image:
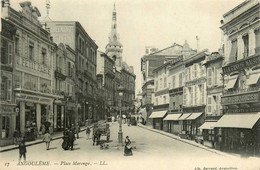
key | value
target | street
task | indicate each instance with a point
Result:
(153, 151)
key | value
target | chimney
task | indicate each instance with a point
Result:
(198, 43)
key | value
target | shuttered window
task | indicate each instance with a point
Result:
(233, 52)
(257, 38)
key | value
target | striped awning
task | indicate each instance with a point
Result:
(174, 116)
(158, 114)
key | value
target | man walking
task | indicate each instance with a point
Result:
(22, 150)
(71, 139)
(47, 139)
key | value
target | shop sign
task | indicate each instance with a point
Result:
(29, 104)
(242, 110)
(241, 98)
(242, 65)
(6, 109)
(197, 81)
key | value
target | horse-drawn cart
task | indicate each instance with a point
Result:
(100, 130)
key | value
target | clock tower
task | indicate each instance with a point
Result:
(114, 48)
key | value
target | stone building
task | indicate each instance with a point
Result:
(194, 94)
(241, 70)
(213, 110)
(73, 34)
(33, 70)
(64, 109)
(176, 83)
(106, 69)
(8, 110)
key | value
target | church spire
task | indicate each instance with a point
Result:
(48, 6)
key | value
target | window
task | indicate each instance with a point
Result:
(233, 52)
(209, 105)
(196, 95)
(6, 89)
(31, 51)
(209, 76)
(156, 85)
(180, 79)
(173, 81)
(5, 127)
(195, 71)
(191, 95)
(44, 56)
(257, 38)
(30, 82)
(17, 45)
(6, 52)
(246, 46)
(45, 85)
(69, 69)
(160, 83)
(18, 79)
(164, 99)
(184, 96)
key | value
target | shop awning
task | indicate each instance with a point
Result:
(174, 116)
(194, 116)
(158, 114)
(238, 120)
(208, 125)
(231, 83)
(184, 116)
(253, 79)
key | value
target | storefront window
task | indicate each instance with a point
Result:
(5, 126)
(30, 82)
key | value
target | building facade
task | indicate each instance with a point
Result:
(214, 109)
(74, 35)
(176, 83)
(106, 69)
(33, 70)
(240, 100)
(194, 94)
(8, 111)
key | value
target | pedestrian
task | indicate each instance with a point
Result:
(88, 132)
(108, 134)
(71, 139)
(22, 150)
(77, 128)
(47, 139)
(128, 147)
(65, 143)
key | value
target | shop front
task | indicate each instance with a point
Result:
(157, 119)
(173, 125)
(239, 136)
(7, 123)
(70, 116)
(59, 115)
(35, 115)
(209, 133)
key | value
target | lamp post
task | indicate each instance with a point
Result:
(120, 133)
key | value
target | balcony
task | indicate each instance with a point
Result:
(59, 75)
(34, 65)
(240, 91)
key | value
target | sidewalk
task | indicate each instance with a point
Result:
(190, 142)
(55, 136)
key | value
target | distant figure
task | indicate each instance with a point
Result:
(77, 129)
(65, 143)
(47, 139)
(88, 132)
(108, 134)
(128, 147)
(22, 150)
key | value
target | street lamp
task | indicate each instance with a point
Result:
(120, 133)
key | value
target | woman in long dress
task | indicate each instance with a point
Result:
(128, 148)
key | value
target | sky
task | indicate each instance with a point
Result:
(141, 23)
